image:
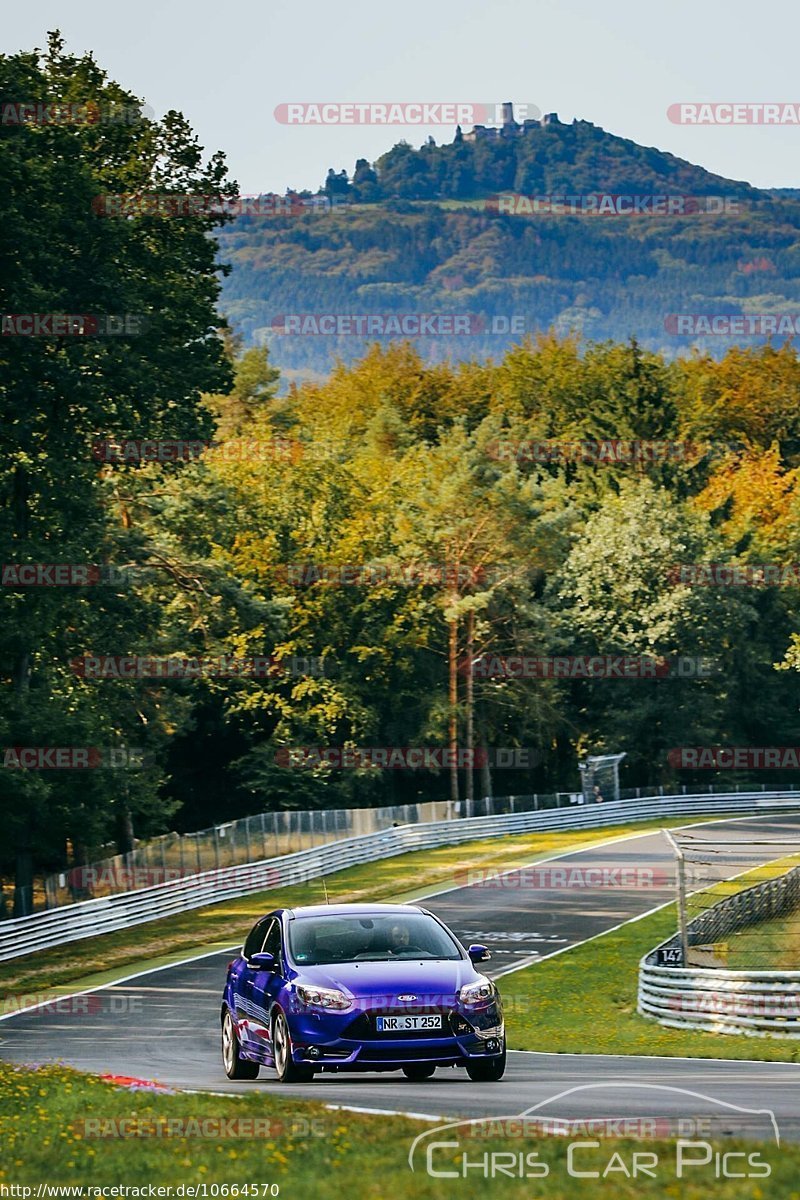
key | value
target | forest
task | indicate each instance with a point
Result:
(211, 572)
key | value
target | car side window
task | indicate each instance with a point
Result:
(255, 938)
(272, 942)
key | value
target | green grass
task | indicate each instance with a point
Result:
(98, 960)
(768, 946)
(584, 1000)
(580, 1001)
(308, 1150)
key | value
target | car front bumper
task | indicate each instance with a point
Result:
(465, 1035)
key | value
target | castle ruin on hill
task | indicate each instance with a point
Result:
(509, 128)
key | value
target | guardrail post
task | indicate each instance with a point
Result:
(680, 881)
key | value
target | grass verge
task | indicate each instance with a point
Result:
(584, 1000)
(62, 1128)
(777, 948)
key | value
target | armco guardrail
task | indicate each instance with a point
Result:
(275, 834)
(231, 844)
(41, 930)
(758, 1003)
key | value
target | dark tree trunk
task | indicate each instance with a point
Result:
(126, 840)
(21, 673)
(453, 698)
(486, 770)
(470, 715)
(23, 883)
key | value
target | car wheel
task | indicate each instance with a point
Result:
(288, 1070)
(418, 1071)
(487, 1070)
(236, 1067)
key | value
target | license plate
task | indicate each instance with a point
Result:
(400, 1024)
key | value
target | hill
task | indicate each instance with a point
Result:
(617, 240)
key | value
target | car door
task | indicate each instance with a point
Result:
(267, 985)
(245, 1011)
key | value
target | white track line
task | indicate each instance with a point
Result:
(535, 862)
(529, 962)
(57, 997)
(625, 837)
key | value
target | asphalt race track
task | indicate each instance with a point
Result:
(164, 1025)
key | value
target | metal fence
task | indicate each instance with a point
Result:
(754, 1002)
(234, 844)
(272, 835)
(39, 931)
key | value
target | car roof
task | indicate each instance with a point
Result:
(343, 910)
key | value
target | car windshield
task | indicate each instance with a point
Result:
(383, 937)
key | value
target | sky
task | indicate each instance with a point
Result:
(620, 65)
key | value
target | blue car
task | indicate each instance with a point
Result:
(359, 987)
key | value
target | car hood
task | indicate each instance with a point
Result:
(413, 976)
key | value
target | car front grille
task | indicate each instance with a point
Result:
(373, 1053)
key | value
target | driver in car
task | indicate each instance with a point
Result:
(399, 939)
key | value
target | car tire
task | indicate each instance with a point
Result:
(487, 1070)
(288, 1070)
(235, 1066)
(418, 1072)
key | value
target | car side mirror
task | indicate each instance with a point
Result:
(478, 953)
(262, 962)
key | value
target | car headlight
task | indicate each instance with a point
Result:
(478, 993)
(319, 997)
